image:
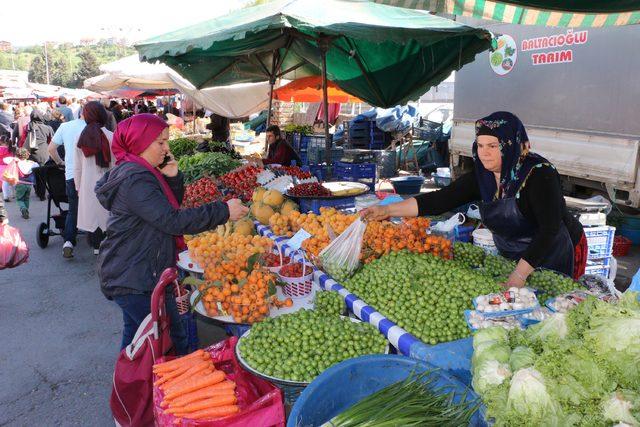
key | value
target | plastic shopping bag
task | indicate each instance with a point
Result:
(13, 248)
(11, 174)
(341, 257)
(260, 401)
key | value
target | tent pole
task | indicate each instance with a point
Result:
(324, 46)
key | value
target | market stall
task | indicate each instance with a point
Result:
(556, 351)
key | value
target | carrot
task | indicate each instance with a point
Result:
(172, 364)
(203, 393)
(207, 403)
(217, 412)
(221, 388)
(189, 372)
(225, 397)
(195, 354)
(176, 385)
(196, 383)
(165, 377)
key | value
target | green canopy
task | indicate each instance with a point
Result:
(381, 54)
(552, 13)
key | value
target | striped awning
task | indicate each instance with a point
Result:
(509, 13)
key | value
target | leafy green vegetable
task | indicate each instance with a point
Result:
(490, 374)
(206, 164)
(577, 369)
(301, 129)
(529, 400)
(495, 333)
(552, 328)
(521, 357)
(181, 147)
(491, 350)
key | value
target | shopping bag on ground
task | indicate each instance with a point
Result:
(341, 257)
(260, 401)
(13, 248)
(11, 174)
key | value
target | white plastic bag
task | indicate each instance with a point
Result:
(342, 256)
(444, 227)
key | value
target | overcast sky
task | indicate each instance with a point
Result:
(27, 22)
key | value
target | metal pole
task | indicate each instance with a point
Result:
(325, 100)
(46, 61)
(271, 83)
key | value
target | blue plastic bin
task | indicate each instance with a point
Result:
(342, 170)
(348, 382)
(407, 184)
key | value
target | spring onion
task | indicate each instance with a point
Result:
(414, 401)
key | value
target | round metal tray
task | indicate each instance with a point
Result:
(328, 185)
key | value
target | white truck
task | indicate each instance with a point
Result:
(576, 90)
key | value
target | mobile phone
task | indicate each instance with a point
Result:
(166, 161)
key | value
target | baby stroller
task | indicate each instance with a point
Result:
(55, 184)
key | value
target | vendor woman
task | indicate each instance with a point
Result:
(521, 202)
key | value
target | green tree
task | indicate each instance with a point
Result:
(60, 72)
(37, 70)
(88, 67)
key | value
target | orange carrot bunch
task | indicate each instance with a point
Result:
(194, 389)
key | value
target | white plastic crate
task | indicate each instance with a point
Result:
(597, 269)
(600, 241)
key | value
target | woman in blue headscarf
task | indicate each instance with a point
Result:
(521, 201)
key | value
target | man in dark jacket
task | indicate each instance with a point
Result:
(279, 151)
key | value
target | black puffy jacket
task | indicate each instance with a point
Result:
(141, 228)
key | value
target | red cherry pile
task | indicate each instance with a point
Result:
(295, 270)
(294, 171)
(200, 192)
(312, 189)
(273, 260)
(242, 181)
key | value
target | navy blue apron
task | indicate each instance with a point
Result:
(513, 233)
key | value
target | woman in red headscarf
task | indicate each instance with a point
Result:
(93, 159)
(146, 224)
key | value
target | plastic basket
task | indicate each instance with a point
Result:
(314, 205)
(320, 171)
(621, 246)
(600, 241)
(182, 299)
(276, 270)
(354, 170)
(317, 155)
(597, 269)
(296, 287)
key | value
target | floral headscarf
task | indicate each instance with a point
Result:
(517, 161)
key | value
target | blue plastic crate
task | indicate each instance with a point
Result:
(358, 170)
(320, 171)
(314, 205)
(318, 154)
(600, 241)
(310, 141)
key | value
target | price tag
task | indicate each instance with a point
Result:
(296, 240)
